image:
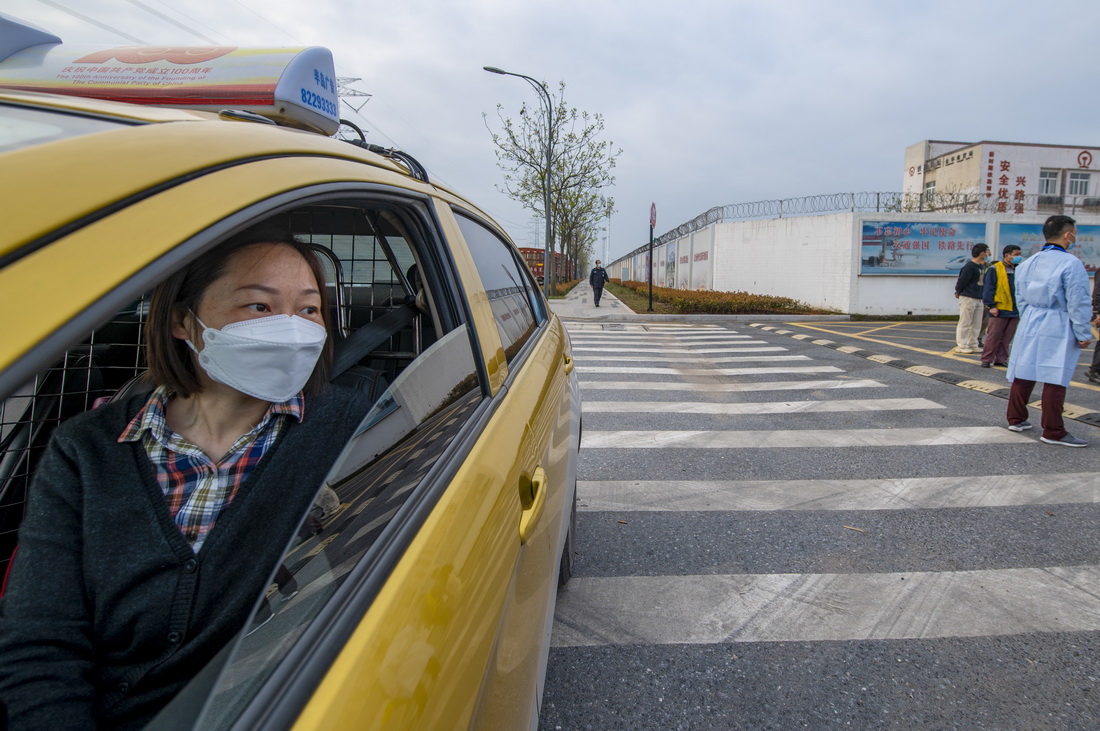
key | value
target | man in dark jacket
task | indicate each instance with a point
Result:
(597, 279)
(999, 295)
(1093, 373)
(969, 295)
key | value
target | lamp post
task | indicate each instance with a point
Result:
(547, 266)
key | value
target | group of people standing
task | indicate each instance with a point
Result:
(1043, 310)
(987, 304)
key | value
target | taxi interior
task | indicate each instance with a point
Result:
(382, 318)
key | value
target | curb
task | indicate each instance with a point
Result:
(1069, 411)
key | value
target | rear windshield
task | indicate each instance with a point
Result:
(23, 127)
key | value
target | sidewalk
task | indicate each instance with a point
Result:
(577, 305)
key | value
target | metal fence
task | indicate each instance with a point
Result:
(884, 203)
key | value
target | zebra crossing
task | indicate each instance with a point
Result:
(683, 391)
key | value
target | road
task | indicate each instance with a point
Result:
(780, 534)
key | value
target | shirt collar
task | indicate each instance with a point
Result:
(152, 416)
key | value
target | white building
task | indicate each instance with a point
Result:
(1008, 177)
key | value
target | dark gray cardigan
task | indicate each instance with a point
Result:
(108, 612)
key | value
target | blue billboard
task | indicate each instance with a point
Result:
(1029, 237)
(917, 248)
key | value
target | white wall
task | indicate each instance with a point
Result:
(815, 260)
(808, 258)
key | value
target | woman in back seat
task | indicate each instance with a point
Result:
(154, 523)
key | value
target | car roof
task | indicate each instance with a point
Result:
(152, 147)
(81, 175)
(64, 189)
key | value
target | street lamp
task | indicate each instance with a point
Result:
(541, 88)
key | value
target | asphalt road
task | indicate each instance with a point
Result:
(780, 534)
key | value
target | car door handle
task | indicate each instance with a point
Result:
(568, 364)
(532, 500)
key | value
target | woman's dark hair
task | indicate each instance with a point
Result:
(170, 361)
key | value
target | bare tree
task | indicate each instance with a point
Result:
(580, 166)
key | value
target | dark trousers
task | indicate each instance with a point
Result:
(597, 292)
(1054, 398)
(998, 338)
(1096, 359)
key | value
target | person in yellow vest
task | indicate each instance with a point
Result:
(999, 295)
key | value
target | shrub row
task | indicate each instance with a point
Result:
(560, 289)
(721, 303)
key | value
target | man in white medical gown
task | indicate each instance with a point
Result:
(1052, 291)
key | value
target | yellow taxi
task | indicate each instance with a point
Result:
(427, 580)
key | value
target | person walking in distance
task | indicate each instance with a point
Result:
(999, 295)
(1052, 292)
(968, 292)
(597, 279)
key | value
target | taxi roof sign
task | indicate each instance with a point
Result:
(295, 87)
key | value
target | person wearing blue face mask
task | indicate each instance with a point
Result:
(1052, 291)
(155, 522)
(1093, 372)
(999, 295)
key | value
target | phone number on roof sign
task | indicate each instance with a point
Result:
(319, 103)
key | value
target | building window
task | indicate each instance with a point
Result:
(1079, 183)
(930, 188)
(1048, 182)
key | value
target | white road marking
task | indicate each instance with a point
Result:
(655, 337)
(624, 370)
(662, 610)
(671, 351)
(700, 361)
(901, 493)
(594, 385)
(766, 407)
(604, 343)
(804, 438)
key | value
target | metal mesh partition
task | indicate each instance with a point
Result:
(85, 376)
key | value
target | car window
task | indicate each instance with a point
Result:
(513, 297)
(358, 515)
(22, 127)
(403, 339)
(368, 505)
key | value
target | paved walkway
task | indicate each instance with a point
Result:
(578, 306)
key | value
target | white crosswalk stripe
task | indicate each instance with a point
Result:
(821, 607)
(800, 438)
(767, 407)
(674, 351)
(901, 493)
(678, 359)
(655, 371)
(593, 386)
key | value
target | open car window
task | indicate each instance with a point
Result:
(401, 336)
(357, 516)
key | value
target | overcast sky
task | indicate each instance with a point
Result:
(712, 102)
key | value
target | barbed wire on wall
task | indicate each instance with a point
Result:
(883, 202)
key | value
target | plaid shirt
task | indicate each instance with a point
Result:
(198, 489)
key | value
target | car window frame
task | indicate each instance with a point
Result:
(293, 683)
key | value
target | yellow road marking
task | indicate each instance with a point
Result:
(884, 327)
(983, 386)
(939, 354)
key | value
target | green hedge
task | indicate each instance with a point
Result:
(685, 301)
(560, 289)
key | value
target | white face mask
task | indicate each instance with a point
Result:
(269, 358)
